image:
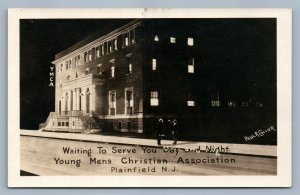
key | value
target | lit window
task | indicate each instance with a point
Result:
(172, 40)
(112, 102)
(110, 47)
(129, 101)
(97, 51)
(113, 71)
(231, 104)
(129, 68)
(156, 38)
(132, 36)
(191, 67)
(115, 45)
(190, 41)
(90, 55)
(154, 101)
(102, 49)
(126, 39)
(190, 103)
(154, 64)
(215, 103)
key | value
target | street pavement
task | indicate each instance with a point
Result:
(245, 149)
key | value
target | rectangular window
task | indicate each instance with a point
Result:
(70, 63)
(132, 36)
(90, 55)
(112, 102)
(244, 104)
(190, 41)
(97, 52)
(102, 50)
(126, 39)
(154, 101)
(110, 48)
(77, 60)
(129, 68)
(190, 103)
(85, 56)
(67, 123)
(129, 101)
(115, 45)
(154, 64)
(215, 103)
(67, 65)
(231, 103)
(59, 124)
(191, 65)
(172, 40)
(113, 72)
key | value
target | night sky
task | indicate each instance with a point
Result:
(234, 40)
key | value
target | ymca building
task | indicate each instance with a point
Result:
(123, 80)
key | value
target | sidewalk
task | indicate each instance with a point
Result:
(258, 150)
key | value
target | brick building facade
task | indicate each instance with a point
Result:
(125, 79)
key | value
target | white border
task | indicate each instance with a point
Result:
(284, 100)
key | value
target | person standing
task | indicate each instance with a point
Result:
(174, 130)
(159, 129)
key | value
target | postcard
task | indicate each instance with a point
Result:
(149, 97)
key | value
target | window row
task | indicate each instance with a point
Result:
(126, 39)
(189, 40)
(233, 104)
(99, 70)
(154, 100)
(190, 65)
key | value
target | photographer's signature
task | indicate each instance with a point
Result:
(259, 133)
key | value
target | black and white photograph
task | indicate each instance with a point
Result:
(150, 96)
